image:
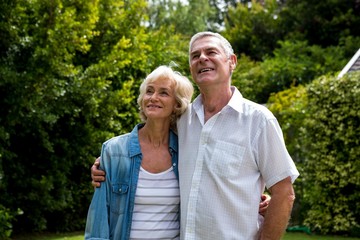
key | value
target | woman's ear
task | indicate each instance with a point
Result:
(177, 107)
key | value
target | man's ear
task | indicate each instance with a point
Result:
(233, 62)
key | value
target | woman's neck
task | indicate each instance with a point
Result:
(154, 134)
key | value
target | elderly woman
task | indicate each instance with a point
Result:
(140, 197)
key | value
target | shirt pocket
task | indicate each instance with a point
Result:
(119, 198)
(226, 159)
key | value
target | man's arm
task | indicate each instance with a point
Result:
(97, 175)
(279, 210)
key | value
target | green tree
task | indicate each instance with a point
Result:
(247, 77)
(253, 29)
(331, 167)
(322, 23)
(69, 78)
(321, 129)
(256, 27)
(290, 108)
(180, 15)
(292, 63)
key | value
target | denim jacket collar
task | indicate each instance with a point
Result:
(134, 145)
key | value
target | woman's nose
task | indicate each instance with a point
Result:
(153, 97)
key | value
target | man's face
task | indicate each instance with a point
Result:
(209, 63)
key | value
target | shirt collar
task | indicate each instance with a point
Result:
(134, 145)
(235, 99)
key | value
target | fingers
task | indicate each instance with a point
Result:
(265, 198)
(262, 208)
(97, 175)
(96, 163)
(95, 170)
(96, 180)
(264, 204)
(95, 184)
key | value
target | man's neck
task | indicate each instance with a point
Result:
(214, 101)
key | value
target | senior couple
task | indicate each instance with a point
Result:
(203, 166)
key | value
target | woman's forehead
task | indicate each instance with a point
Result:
(162, 82)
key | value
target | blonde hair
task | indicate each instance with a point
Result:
(183, 89)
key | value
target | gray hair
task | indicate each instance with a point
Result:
(224, 43)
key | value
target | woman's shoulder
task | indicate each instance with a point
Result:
(120, 139)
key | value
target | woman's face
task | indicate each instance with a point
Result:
(159, 99)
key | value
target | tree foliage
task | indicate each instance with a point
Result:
(322, 23)
(293, 63)
(290, 108)
(69, 78)
(282, 56)
(180, 15)
(253, 29)
(331, 167)
(321, 125)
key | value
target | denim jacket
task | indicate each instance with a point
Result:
(110, 212)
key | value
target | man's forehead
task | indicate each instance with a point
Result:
(205, 43)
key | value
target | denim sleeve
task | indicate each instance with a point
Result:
(97, 222)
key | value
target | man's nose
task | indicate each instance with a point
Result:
(203, 57)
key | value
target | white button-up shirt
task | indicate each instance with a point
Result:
(224, 166)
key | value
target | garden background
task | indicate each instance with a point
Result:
(69, 77)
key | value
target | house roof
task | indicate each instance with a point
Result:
(352, 65)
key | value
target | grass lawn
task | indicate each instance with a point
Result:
(80, 236)
(52, 236)
(304, 236)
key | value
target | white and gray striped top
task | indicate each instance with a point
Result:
(157, 203)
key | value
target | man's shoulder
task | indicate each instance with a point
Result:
(253, 108)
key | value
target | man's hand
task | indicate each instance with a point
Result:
(265, 200)
(97, 175)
